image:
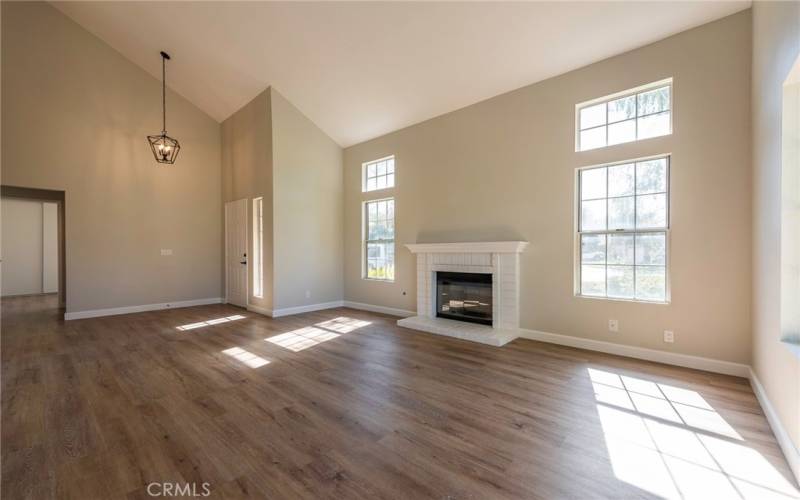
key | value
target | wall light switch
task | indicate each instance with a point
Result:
(669, 336)
(166, 251)
(613, 325)
(308, 294)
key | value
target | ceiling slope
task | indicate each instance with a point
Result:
(362, 69)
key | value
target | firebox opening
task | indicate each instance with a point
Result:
(464, 297)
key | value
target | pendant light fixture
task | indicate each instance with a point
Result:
(164, 147)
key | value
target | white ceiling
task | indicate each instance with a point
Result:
(362, 69)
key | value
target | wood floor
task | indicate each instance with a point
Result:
(344, 404)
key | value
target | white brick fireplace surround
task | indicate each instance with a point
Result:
(498, 258)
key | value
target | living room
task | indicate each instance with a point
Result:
(400, 249)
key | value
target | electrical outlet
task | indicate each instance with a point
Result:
(308, 294)
(669, 336)
(613, 325)
(166, 251)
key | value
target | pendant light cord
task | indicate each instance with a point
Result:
(163, 94)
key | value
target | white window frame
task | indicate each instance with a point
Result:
(666, 230)
(365, 241)
(667, 82)
(364, 169)
(258, 247)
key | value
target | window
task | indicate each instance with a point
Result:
(258, 247)
(379, 239)
(623, 225)
(378, 174)
(631, 116)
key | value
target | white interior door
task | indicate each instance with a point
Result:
(236, 252)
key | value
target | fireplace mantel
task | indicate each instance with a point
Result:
(470, 247)
(498, 258)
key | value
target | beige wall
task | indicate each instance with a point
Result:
(308, 194)
(271, 150)
(776, 45)
(504, 169)
(75, 118)
(247, 173)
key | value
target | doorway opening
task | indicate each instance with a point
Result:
(33, 258)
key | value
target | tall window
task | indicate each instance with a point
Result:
(258, 247)
(378, 174)
(623, 226)
(630, 116)
(379, 239)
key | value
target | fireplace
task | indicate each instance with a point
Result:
(481, 280)
(464, 297)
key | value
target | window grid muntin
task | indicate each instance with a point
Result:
(368, 241)
(636, 117)
(365, 177)
(658, 230)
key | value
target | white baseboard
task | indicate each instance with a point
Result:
(288, 311)
(790, 451)
(95, 313)
(260, 310)
(392, 311)
(670, 358)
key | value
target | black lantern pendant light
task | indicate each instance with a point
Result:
(164, 147)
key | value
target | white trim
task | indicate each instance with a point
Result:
(365, 241)
(670, 358)
(666, 82)
(470, 247)
(392, 311)
(288, 311)
(257, 254)
(666, 230)
(626, 93)
(94, 313)
(364, 166)
(259, 310)
(784, 441)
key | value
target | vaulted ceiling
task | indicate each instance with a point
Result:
(363, 69)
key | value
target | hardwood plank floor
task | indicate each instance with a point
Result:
(344, 404)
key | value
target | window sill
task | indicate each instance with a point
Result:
(376, 280)
(633, 301)
(792, 341)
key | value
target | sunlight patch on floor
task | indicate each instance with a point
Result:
(303, 338)
(246, 357)
(343, 324)
(670, 442)
(210, 322)
(309, 336)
